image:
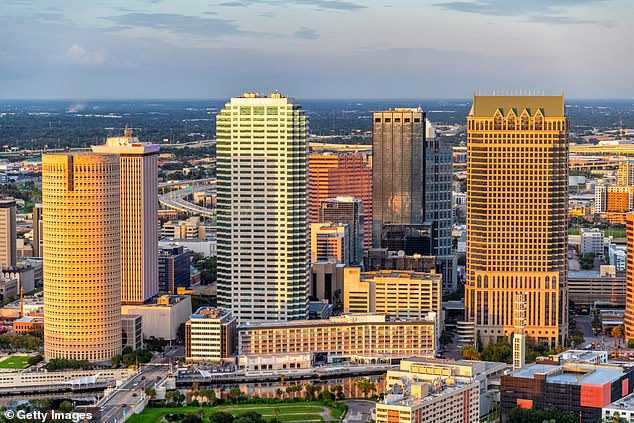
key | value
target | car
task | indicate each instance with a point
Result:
(134, 394)
(460, 347)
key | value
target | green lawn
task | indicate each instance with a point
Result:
(15, 362)
(289, 412)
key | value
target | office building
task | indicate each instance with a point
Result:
(37, 230)
(438, 204)
(428, 390)
(330, 242)
(82, 262)
(581, 388)
(346, 210)
(618, 256)
(349, 175)
(626, 174)
(210, 335)
(397, 170)
(403, 294)
(629, 274)
(139, 215)
(8, 232)
(517, 188)
(263, 257)
(173, 268)
(384, 259)
(132, 331)
(192, 228)
(411, 175)
(368, 338)
(161, 319)
(613, 198)
(8, 288)
(592, 241)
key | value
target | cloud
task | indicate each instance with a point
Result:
(176, 23)
(306, 34)
(542, 11)
(319, 4)
(79, 55)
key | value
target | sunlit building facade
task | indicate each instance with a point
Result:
(139, 215)
(263, 258)
(82, 262)
(8, 232)
(517, 188)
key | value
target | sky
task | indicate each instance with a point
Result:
(113, 49)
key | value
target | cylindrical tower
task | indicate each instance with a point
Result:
(82, 274)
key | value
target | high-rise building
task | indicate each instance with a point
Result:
(263, 259)
(348, 175)
(173, 265)
(626, 173)
(629, 286)
(412, 174)
(438, 208)
(346, 210)
(397, 170)
(330, 243)
(37, 230)
(82, 265)
(139, 215)
(8, 233)
(517, 187)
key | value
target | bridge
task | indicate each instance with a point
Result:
(175, 199)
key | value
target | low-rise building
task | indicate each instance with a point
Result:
(592, 241)
(618, 257)
(404, 294)
(162, 319)
(8, 288)
(622, 408)
(29, 325)
(368, 338)
(132, 326)
(330, 242)
(581, 388)
(192, 228)
(588, 286)
(210, 335)
(326, 282)
(427, 390)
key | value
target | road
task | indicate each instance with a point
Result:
(359, 411)
(175, 200)
(128, 395)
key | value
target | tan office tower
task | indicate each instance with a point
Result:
(82, 269)
(629, 286)
(139, 215)
(8, 252)
(517, 187)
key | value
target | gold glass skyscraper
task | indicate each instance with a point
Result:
(517, 188)
(82, 273)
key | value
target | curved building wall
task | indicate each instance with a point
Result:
(81, 249)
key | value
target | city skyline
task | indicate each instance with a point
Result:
(316, 49)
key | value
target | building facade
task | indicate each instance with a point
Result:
(82, 261)
(8, 233)
(397, 170)
(139, 215)
(173, 269)
(592, 241)
(346, 210)
(626, 173)
(162, 318)
(330, 242)
(365, 337)
(517, 188)
(37, 230)
(210, 335)
(629, 275)
(263, 257)
(349, 175)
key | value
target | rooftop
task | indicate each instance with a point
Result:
(572, 373)
(625, 403)
(345, 319)
(551, 106)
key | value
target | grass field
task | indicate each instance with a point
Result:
(15, 362)
(288, 412)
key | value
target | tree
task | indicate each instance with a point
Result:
(338, 389)
(276, 411)
(221, 417)
(470, 353)
(500, 351)
(249, 417)
(365, 385)
(279, 393)
(617, 332)
(65, 406)
(235, 394)
(116, 360)
(150, 393)
(616, 418)
(522, 415)
(310, 392)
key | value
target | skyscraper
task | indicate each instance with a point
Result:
(8, 233)
(397, 169)
(82, 269)
(517, 188)
(331, 175)
(629, 287)
(626, 173)
(139, 215)
(263, 260)
(438, 210)
(37, 230)
(411, 172)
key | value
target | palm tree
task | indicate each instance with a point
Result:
(617, 333)
(276, 411)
